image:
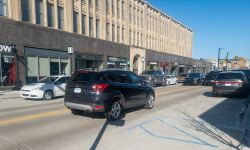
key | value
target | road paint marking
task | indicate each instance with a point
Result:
(195, 140)
(18, 144)
(33, 117)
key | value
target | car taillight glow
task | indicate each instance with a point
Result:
(227, 82)
(99, 87)
(215, 82)
(98, 107)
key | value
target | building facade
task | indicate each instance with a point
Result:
(130, 34)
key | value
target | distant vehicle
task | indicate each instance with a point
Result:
(231, 83)
(171, 79)
(194, 79)
(109, 91)
(149, 80)
(46, 88)
(157, 77)
(181, 77)
(210, 77)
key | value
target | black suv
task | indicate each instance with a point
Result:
(210, 77)
(194, 79)
(109, 91)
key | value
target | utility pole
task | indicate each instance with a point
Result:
(219, 59)
(227, 59)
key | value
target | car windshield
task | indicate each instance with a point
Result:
(224, 76)
(149, 72)
(48, 80)
(194, 75)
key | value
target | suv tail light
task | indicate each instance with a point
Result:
(215, 82)
(99, 87)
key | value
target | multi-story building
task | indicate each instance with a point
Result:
(36, 34)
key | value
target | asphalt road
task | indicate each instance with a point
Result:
(183, 117)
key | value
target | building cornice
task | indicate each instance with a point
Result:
(164, 14)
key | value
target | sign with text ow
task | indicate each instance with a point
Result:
(6, 48)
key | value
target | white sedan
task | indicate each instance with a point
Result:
(171, 79)
(46, 88)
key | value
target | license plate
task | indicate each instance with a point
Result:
(228, 84)
(77, 90)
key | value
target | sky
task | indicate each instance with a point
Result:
(216, 23)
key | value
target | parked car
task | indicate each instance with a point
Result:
(46, 88)
(109, 91)
(171, 79)
(148, 80)
(210, 77)
(157, 77)
(194, 79)
(231, 83)
(181, 77)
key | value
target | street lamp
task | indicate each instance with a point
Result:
(219, 59)
(70, 52)
(143, 61)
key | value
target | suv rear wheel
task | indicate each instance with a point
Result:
(114, 111)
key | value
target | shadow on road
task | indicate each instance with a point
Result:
(222, 120)
(232, 96)
(210, 130)
(101, 115)
(117, 123)
(54, 99)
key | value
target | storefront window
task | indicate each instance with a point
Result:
(32, 69)
(8, 70)
(2, 7)
(114, 62)
(54, 67)
(43, 67)
(65, 66)
(42, 63)
(88, 64)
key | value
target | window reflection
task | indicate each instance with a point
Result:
(8, 70)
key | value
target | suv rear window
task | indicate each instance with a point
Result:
(246, 72)
(224, 76)
(85, 77)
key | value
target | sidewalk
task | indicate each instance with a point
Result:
(9, 94)
(246, 127)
